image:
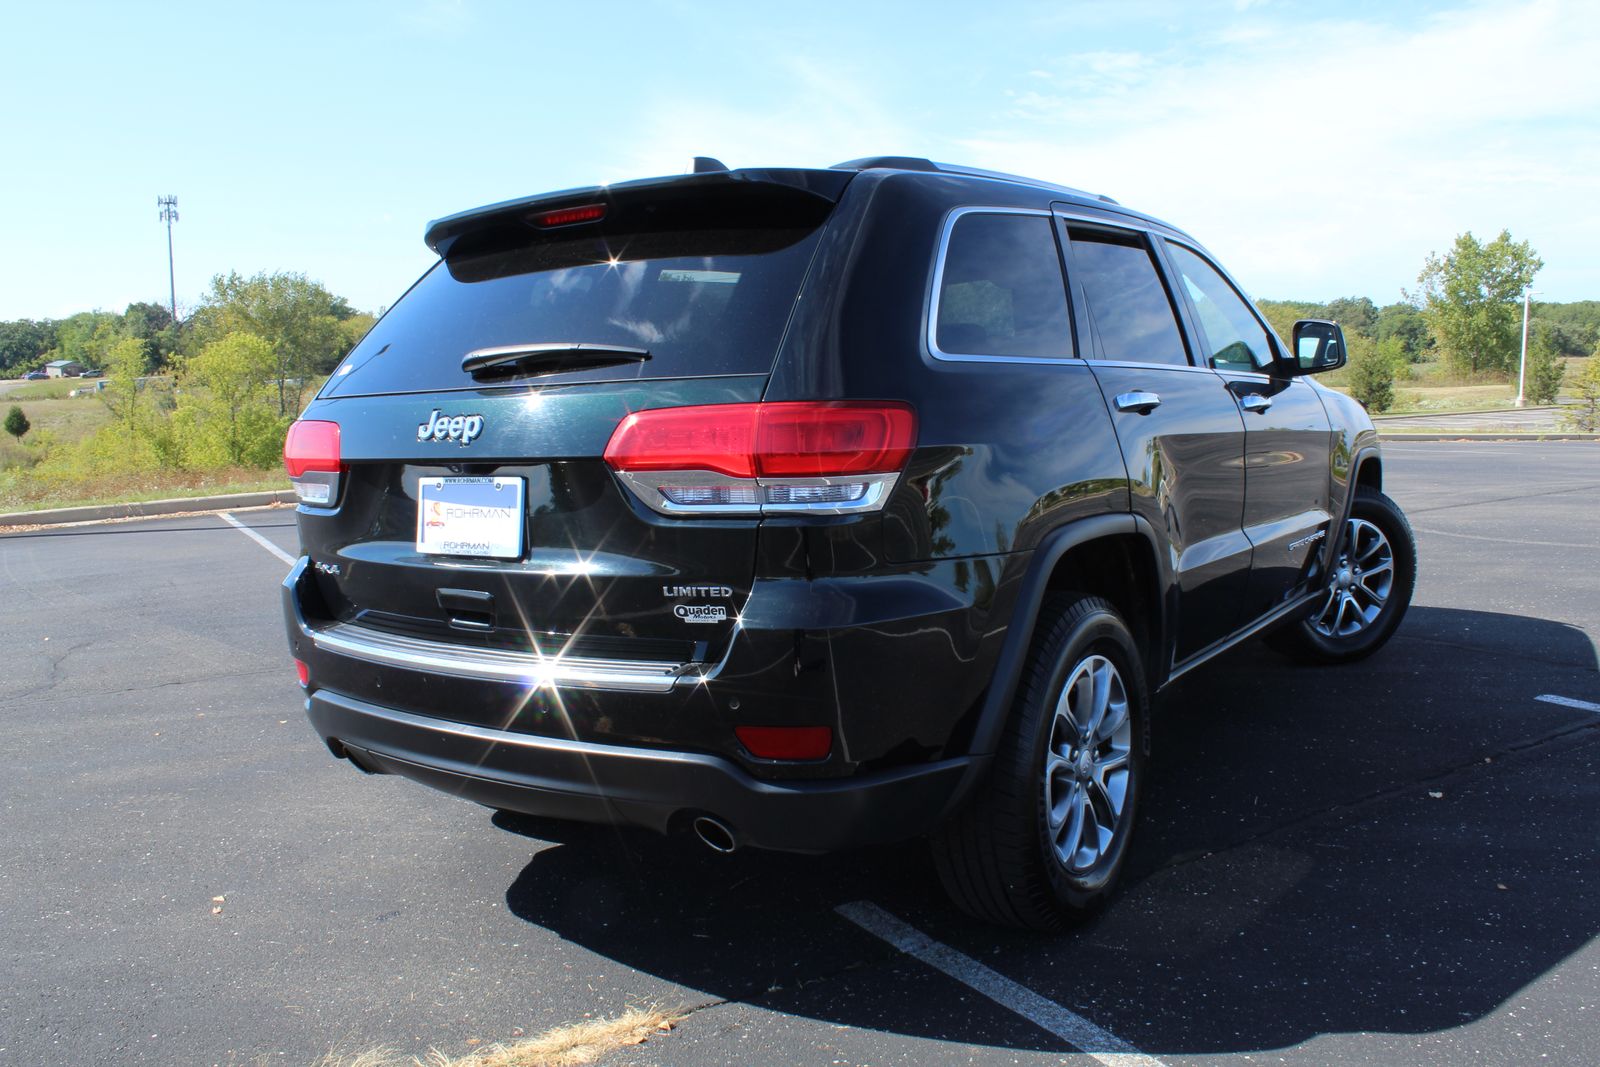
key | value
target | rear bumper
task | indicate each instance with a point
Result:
(660, 790)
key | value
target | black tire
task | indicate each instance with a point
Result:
(999, 857)
(1340, 632)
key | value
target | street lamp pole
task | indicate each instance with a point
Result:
(1522, 366)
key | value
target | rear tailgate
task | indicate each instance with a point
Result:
(703, 276)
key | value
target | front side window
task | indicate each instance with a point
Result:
(1129, 310)
(1001, 292)
(1235, 339)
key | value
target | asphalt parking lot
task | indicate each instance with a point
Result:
(1393, 862)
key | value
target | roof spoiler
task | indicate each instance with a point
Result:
(825, 186)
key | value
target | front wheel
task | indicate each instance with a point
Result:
(1366, 591)
(1045, 838)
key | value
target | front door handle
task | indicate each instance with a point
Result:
(1141, 402)
(1255, 402)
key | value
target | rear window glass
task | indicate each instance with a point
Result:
(1001, 292)
(700, 302)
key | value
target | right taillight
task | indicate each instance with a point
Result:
(311, 456)
(829, 457)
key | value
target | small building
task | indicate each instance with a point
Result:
(63, 368)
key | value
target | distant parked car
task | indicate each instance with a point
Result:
(35, 376)
(92, 374)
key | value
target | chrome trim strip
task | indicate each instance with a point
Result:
(497, 665)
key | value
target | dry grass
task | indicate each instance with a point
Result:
(565, 1046)
(122, 488)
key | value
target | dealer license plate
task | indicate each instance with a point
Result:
(470, 517)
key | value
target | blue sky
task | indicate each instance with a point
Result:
(1319, 149)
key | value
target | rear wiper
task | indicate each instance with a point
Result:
(548, 358)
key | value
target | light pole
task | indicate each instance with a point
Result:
(1522, 366)
(169, 215)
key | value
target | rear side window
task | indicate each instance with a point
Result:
(1130, 313)
(701, 302)
(1233, 335)
(1000, 291)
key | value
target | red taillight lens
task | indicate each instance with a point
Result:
(304, 673)
(787, 440)
(786, 742)
(826, 440)
(311, 446)
(719, 437)
(567, 216)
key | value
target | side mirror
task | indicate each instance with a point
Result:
(1318, 346)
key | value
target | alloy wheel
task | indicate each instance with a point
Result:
(1086, 767)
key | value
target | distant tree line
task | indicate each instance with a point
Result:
(306, 328)
(1466, 313)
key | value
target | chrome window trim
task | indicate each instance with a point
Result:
(495, 664)
(931, 326)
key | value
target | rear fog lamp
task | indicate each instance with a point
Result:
(786, 742)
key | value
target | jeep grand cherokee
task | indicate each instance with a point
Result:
(807, 509)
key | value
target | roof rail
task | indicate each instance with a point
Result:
(887, 163)
(918, 163)
(976, 172)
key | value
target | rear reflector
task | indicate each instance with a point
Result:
(838, 456)
(311, 456)
(786, 742)
(568, 216)
(304, 673)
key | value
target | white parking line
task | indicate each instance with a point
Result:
(1069, 1026)
(257, 538)
(1568, 702)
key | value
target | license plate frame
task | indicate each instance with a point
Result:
(470, 517)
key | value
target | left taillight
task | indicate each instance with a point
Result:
(311, 456)
(829, 457)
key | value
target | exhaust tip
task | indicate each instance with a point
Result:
(715, 834)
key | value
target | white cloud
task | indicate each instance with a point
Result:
(1330, 158)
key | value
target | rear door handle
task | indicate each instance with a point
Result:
(1141, 402)
(1255, 402)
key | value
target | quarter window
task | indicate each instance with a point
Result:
(1234, 336)
(1130, 312)
(1001, 292)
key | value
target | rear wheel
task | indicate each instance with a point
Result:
(1366, 591)
(1045, 838)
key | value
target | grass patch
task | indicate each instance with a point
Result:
(52, 389)
(17, 494)
(565, 1046)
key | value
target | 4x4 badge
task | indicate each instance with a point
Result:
(462, 428)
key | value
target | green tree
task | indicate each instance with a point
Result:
(23, 344)
(1545, 367)
(1585, 415)
(1404, 322)
(1370, 377)
(17, 423)
(297, 317)
(124, 365)
(227, 411)
(1356, 314)
(1469, 297)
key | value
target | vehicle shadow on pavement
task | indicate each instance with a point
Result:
(1398, 847)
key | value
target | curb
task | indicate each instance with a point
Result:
(1467, 436)
(147, 508)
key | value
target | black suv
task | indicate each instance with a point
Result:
(805, 509)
